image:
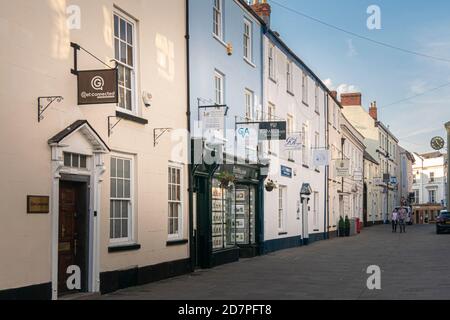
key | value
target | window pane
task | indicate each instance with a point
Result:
(117, 213)
(113, 188)
(121, 76)
(117, 49)
(170, 192)
(122, 30)
(83, 161)
(127, 191)
(128, 101)
(130, 56)
(124, 209)
(75, 160)
(67, 159)
(127, 168)
(111, 229)
(127, 82)
(124, 228)
(120, 168)
(113, 167)
(123, 52)
(117, 233)
(129, 33)
(178, 193)
(116, 26)
(120, 188)
(179, 176)
(121, 97)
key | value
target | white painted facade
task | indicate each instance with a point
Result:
(37, 62)
(292, 94)
(429, 172)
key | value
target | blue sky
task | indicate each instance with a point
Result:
(381, 74)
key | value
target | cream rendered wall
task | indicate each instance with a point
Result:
(292, 104)
(36, 62)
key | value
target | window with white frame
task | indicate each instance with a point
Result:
(271, 62)
(219, 80)
(74, 160)
(247, 40)
(282, 209)
(121, 199)
(316, 209)
(431, 177)
(304, 88)
(304, 145)
(316, 99)
(249, 105)
(289, 77)
(416, 196)
(270, 117)
(432, 196)
(175, 203)
(217, 19)
(125, 48)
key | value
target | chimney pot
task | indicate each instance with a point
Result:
(263, 10)
(373, 110)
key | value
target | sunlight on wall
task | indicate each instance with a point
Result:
(107, 30)
(165, 57)
(61, 36)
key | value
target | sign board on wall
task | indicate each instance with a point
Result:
(342, 168)
(321, 158)
(38, 204)
(98, 86)
(286, 172)
(358, 174)
(293, 142)
(276, 130)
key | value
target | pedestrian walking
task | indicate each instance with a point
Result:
(402, 220)
(394, 219)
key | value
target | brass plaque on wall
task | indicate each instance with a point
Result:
(38, 204)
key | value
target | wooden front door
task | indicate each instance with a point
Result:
(72, 232)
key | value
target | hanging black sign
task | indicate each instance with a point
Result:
(272, 130)
(98, 86)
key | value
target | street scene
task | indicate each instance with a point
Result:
(224, 150)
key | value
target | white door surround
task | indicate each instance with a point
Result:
(79, 138)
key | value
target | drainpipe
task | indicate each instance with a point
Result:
(192, 253)
(327, 173)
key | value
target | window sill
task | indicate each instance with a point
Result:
(291, 160)
(131, 117)
(317, 170)
(273, 80)
(290, 93)
(282, 233)
(123, 247)
(220, 40)
(305, 166)
(317, 112)
(172, 243)
(249, 62)
(305, 104)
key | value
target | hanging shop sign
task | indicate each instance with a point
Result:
(393, 180)
(286, 172)
(213, 119)
(293, 142)
(98, 86)
(321, 158)
(358, 174)
(342, 168)
(275, 130)
(38, 204)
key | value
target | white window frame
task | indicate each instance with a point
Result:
(271, 62)
(133, 69)
(219, 94)
(249, 105)
(282, 208)
(248, 40)
(304, 145)
(316, 209)
(289, 77)
(432, 199)
(316, 99)
(218, 24)
(180, 234)
(131, 207)
(304, 88)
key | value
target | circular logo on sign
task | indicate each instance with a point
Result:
(437, 143)
(97, 83)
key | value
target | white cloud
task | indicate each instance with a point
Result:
(418, 87)
(342, 88)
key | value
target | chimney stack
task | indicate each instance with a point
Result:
(373, 110)
(262, 9)
(351, 99)
(333, 94)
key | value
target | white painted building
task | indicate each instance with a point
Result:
(293, 93)
(353, 190)
(429, 178)
(75, 192)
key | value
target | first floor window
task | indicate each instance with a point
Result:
(175, 211)
(432, 196)
(316, 209)
(282, 197)
(249, 105)
(120, 203)
(218, 88)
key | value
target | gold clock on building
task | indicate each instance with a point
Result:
(437, 143)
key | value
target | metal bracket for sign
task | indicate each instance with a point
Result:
(216, 106)
(50, 100)
(158, 133)
(76, 48)
(111, 126)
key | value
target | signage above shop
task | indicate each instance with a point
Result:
(293, 142)
(358, 174)
(342, 168)
(286, 172)
(98, 86)
(275, 130)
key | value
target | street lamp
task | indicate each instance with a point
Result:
(447, 126)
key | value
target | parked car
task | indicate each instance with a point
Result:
(443, 222)
(409, 214)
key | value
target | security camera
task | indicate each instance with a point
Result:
(147, 98)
